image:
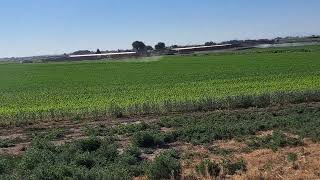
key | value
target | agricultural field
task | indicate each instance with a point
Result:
(31, 92)
(250, 114)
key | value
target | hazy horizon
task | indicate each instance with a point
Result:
(35, 27)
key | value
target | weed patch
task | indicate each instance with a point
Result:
(275, 141)
(165, 166)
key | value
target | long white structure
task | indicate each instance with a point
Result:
(200, 47)
(103, 54)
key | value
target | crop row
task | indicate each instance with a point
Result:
(204, 104)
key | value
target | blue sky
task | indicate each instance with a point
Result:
(36, 27)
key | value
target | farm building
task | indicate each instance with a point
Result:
(185, 50)
(103, 55)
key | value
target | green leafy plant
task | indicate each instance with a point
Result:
(5, 143)
(165, 166)
(152, 138)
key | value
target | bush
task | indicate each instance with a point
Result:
(85, 160)
(201, 168)
(3, 165)
(231, 168)
(131, 156)
(220, 151)
(292, 157)
(41, 152)
(51, 171)
(208, 168)
(213, 169)
(5, 143)
(91, 158)
(165, 166)
(106, 153)
(144, 139)
(169, 122)
(54, 134)
(91, 144)
(275, 141)
(114, 172)
(152, 138)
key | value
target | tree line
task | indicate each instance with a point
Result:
(160, 47)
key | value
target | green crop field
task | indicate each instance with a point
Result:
(83, 87)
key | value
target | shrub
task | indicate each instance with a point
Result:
(292, 157)
(213, 169)
(52, 171)
(165, 166)
(106, 153)
(3, 165)
(262, 101)
(169, 122)
(85, 160)
(91, 131)
(231, 168)
(275, 141)
(131, 160)
(55, 134)
(201, 168)
(114, 172)
(5, 143)
(91, 144)
(152, 138)
(41, 152)
(208, 168)
(220, 151)
(131, 156)
(144, 139)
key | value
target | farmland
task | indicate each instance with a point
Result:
(143, 87)
(249, 114)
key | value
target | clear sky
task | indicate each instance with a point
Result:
(37, 27)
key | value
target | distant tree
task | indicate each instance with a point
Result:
(314, 36)
(139, 46)
(149, 48)
(81, 52)
(174, 46)
(160, 46)
(98, 51)
(210, 43)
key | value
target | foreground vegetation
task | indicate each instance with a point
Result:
(174, 83)
(103, 154)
